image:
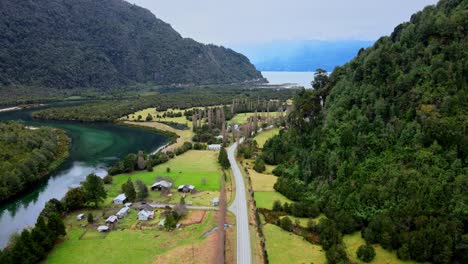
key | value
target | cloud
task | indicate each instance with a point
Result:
(250, 21)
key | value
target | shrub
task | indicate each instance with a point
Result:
(259, 165)
(336, 254)
(366, 253)
(108, 179)
(286, 223)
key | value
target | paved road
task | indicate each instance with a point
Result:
(239, 208)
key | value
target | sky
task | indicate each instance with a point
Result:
(233, 22)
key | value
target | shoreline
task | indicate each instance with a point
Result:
(20, 107)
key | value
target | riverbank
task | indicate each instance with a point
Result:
(20, 107)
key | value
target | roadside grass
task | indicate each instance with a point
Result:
(124, 246)
(193, 167)
(382, 256)
(263, 136)
(262, 182)
(286, 247)
(266, 199)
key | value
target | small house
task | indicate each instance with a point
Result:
(161, 185)
(220, 137)
(123, 212)
(120, 199)
(214, 147)
(111, 219)
(186, 188)
(103, 228)
(80, 217)
(215, 201)
(144, 215)
(128, 204)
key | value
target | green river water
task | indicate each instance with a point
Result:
(94, 147)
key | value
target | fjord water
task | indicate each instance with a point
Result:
(289, 78)
(94, 147)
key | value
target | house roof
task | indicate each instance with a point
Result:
(103, 228)
(191, 187)
(162, 183)
(216, 199)
(123, 210)
(121, 197)
(111, 219)
(145, 213)
(214, 146)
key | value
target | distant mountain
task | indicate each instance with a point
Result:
(301, 55)
(88, 43)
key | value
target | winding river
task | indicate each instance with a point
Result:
(94, 147)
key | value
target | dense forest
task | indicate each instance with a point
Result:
(27, 155)
(107, 43)
(110, 110)
(380, 145)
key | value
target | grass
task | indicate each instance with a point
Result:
(286, 247)
(382, 256)
(266, 199)
(243, 117)
(303, 220)
(190, 168)
(124, 246)
(263, 136)
(262, 182)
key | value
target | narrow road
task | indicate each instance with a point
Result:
(239, 208)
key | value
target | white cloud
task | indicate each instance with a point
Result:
(244, 21)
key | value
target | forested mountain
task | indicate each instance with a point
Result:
(106, 43)
(27, 155)
(386, 151)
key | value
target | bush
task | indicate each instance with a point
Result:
(336, 254)
(277, 207)
(259, 165)
(90, 218)
(108, 179)
(286, 224)
(366, 253)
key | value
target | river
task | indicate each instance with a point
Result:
(94, 147)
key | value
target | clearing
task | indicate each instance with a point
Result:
(263, 136)
(266, 199)
(295, 250)
(262, 182)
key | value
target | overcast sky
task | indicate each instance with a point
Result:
(226, 22)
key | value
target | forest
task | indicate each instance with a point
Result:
(380, 145)
(104, 44)
(27, 155)
(165, 98)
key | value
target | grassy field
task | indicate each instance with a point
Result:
(303, 220)
(193, 167)
(286, 247)
(128, 245)
(263, 136)
(243, 117)
(266, 199)
(382, 256)
(143, 113)
(262, 182)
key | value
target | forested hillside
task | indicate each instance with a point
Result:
(27, 155)
(386, 151)
(107, 43)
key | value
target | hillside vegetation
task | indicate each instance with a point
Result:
(107, 43)
(27, 155)
(386, 152)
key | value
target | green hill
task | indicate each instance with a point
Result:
(106, 43)
(386, 152)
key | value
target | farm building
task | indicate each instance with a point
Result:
(144, 215)
(123, 212)
(214, 147)
(161, 185)
(80, 217)
(186, 188)
(120, 199)
(103, 228)
(111, 219)
(215, 201)
(128, 204)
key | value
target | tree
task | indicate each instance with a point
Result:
(320, 79)
(259, 165)
(149, 117)
(142, 189)
(108, 179)
(53, 206)
(337, 255)
(129, 189)
(223, 159)
(286, 223)
(170, 222)
(55, 225)
(277, 207)
(90, 218)
(329, 233)
(94, 189)
(141, 160)
(74, 199)
(366, 253)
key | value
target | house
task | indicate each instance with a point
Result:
(146, 207)
(123, 212)
(128, 204)
(220, 137)
(215, 201)
(186, 188)
(214, 147)
(111, 219)
(160, 185)
(103, 228)
(120, 199)
(144, 215)
(80, 217)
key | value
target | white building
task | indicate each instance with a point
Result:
(120, 199)
(186, 188)
(144, 215)
(215, 201)
(214, 147)
(103, 228)
(80, 217)
(123, 212)
(161, 185)
(111, 219)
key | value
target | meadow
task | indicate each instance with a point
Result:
(266, 199)
(263, 136)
